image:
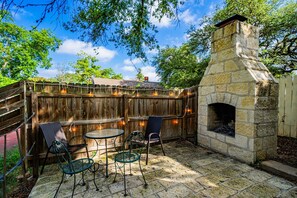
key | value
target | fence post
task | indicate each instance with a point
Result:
(126, 113)
(34, 100)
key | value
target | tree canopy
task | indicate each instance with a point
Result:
(85, 68)
(23, 51)
(179, 67)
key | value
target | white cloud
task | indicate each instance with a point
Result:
(74, 47)
(188, 18)
(151, 73)
(153, 51)
(48, 73)
(163, 23)
(129, 68)
(133, 61)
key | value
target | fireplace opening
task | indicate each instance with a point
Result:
(221, 118)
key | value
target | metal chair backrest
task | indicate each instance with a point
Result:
(62, 154)
(53, 131)
(154, 125)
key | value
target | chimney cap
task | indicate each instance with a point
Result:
(229, 20)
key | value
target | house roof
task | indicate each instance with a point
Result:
(130, 83)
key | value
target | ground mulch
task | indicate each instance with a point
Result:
(286, 149)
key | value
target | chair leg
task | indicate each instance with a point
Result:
(44, 162)
(145, 184)
(125, 181)
(94, 176)
(115, 167)
(83, 179)
(87, 152)
(147, 152)
(162, 146)
(59, 185)
(74, 185)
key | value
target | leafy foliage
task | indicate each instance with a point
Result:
(125, 23)
(178, 67)
(278, 30)
(85, 68)
(23, 51)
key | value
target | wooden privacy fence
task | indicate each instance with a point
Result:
(83, 108)
(287, 116)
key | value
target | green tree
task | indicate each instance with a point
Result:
(23, 51)
(126, 23)
(179, 67)
(278, 30)
(85, 68)
(139, 75)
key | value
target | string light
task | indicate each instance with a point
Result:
(155, 93)
(99, 127)
(63, 91)
(175, 121)
(73, 127)
(171, 93)
(141, 123)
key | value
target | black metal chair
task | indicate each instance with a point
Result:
(71, 167)
(130, 152)
(153, 133)
(53, 131)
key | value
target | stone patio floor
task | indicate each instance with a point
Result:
(186, 171)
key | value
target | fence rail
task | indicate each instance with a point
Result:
(287, 116)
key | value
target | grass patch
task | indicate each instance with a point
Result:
(12, 157)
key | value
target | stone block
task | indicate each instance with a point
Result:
(221, 137)
(251, 116)
(218, 34)
(266, 129)
(238, 88)
(202, 100)
(220, 97)
(258, 144)
(242, 154)
(269, 142)
(230, 65)
(261, 155)
(252, 87)
(221, 88)
(206, 81)
(205, 90)
(239, 141)
(247, 102)
(211, 134)
(266, 103)
(202, 110)
(213, 60)
(203, 140)
(227, 98)
(226, 54)
(271, 153)
(241, 115)
(209, 99)
(213, 98)
(247, 30)
(216, 68)
(251, 144)
(234, 100)
(241, 76)
(231, 29)
(222, 44)
(224, 78)
(245, 129)
(202, 120)
(274, 88)
(219, 146)
(253, 43)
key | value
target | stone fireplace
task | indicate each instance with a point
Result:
(237, 103)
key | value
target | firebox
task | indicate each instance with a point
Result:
(221, 119)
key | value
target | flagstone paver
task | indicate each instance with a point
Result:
(185, 171)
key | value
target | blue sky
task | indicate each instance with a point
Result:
(171, 33)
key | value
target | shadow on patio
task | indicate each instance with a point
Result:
(186, 171)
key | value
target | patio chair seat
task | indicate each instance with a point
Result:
(77, 166)
(127, 157)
